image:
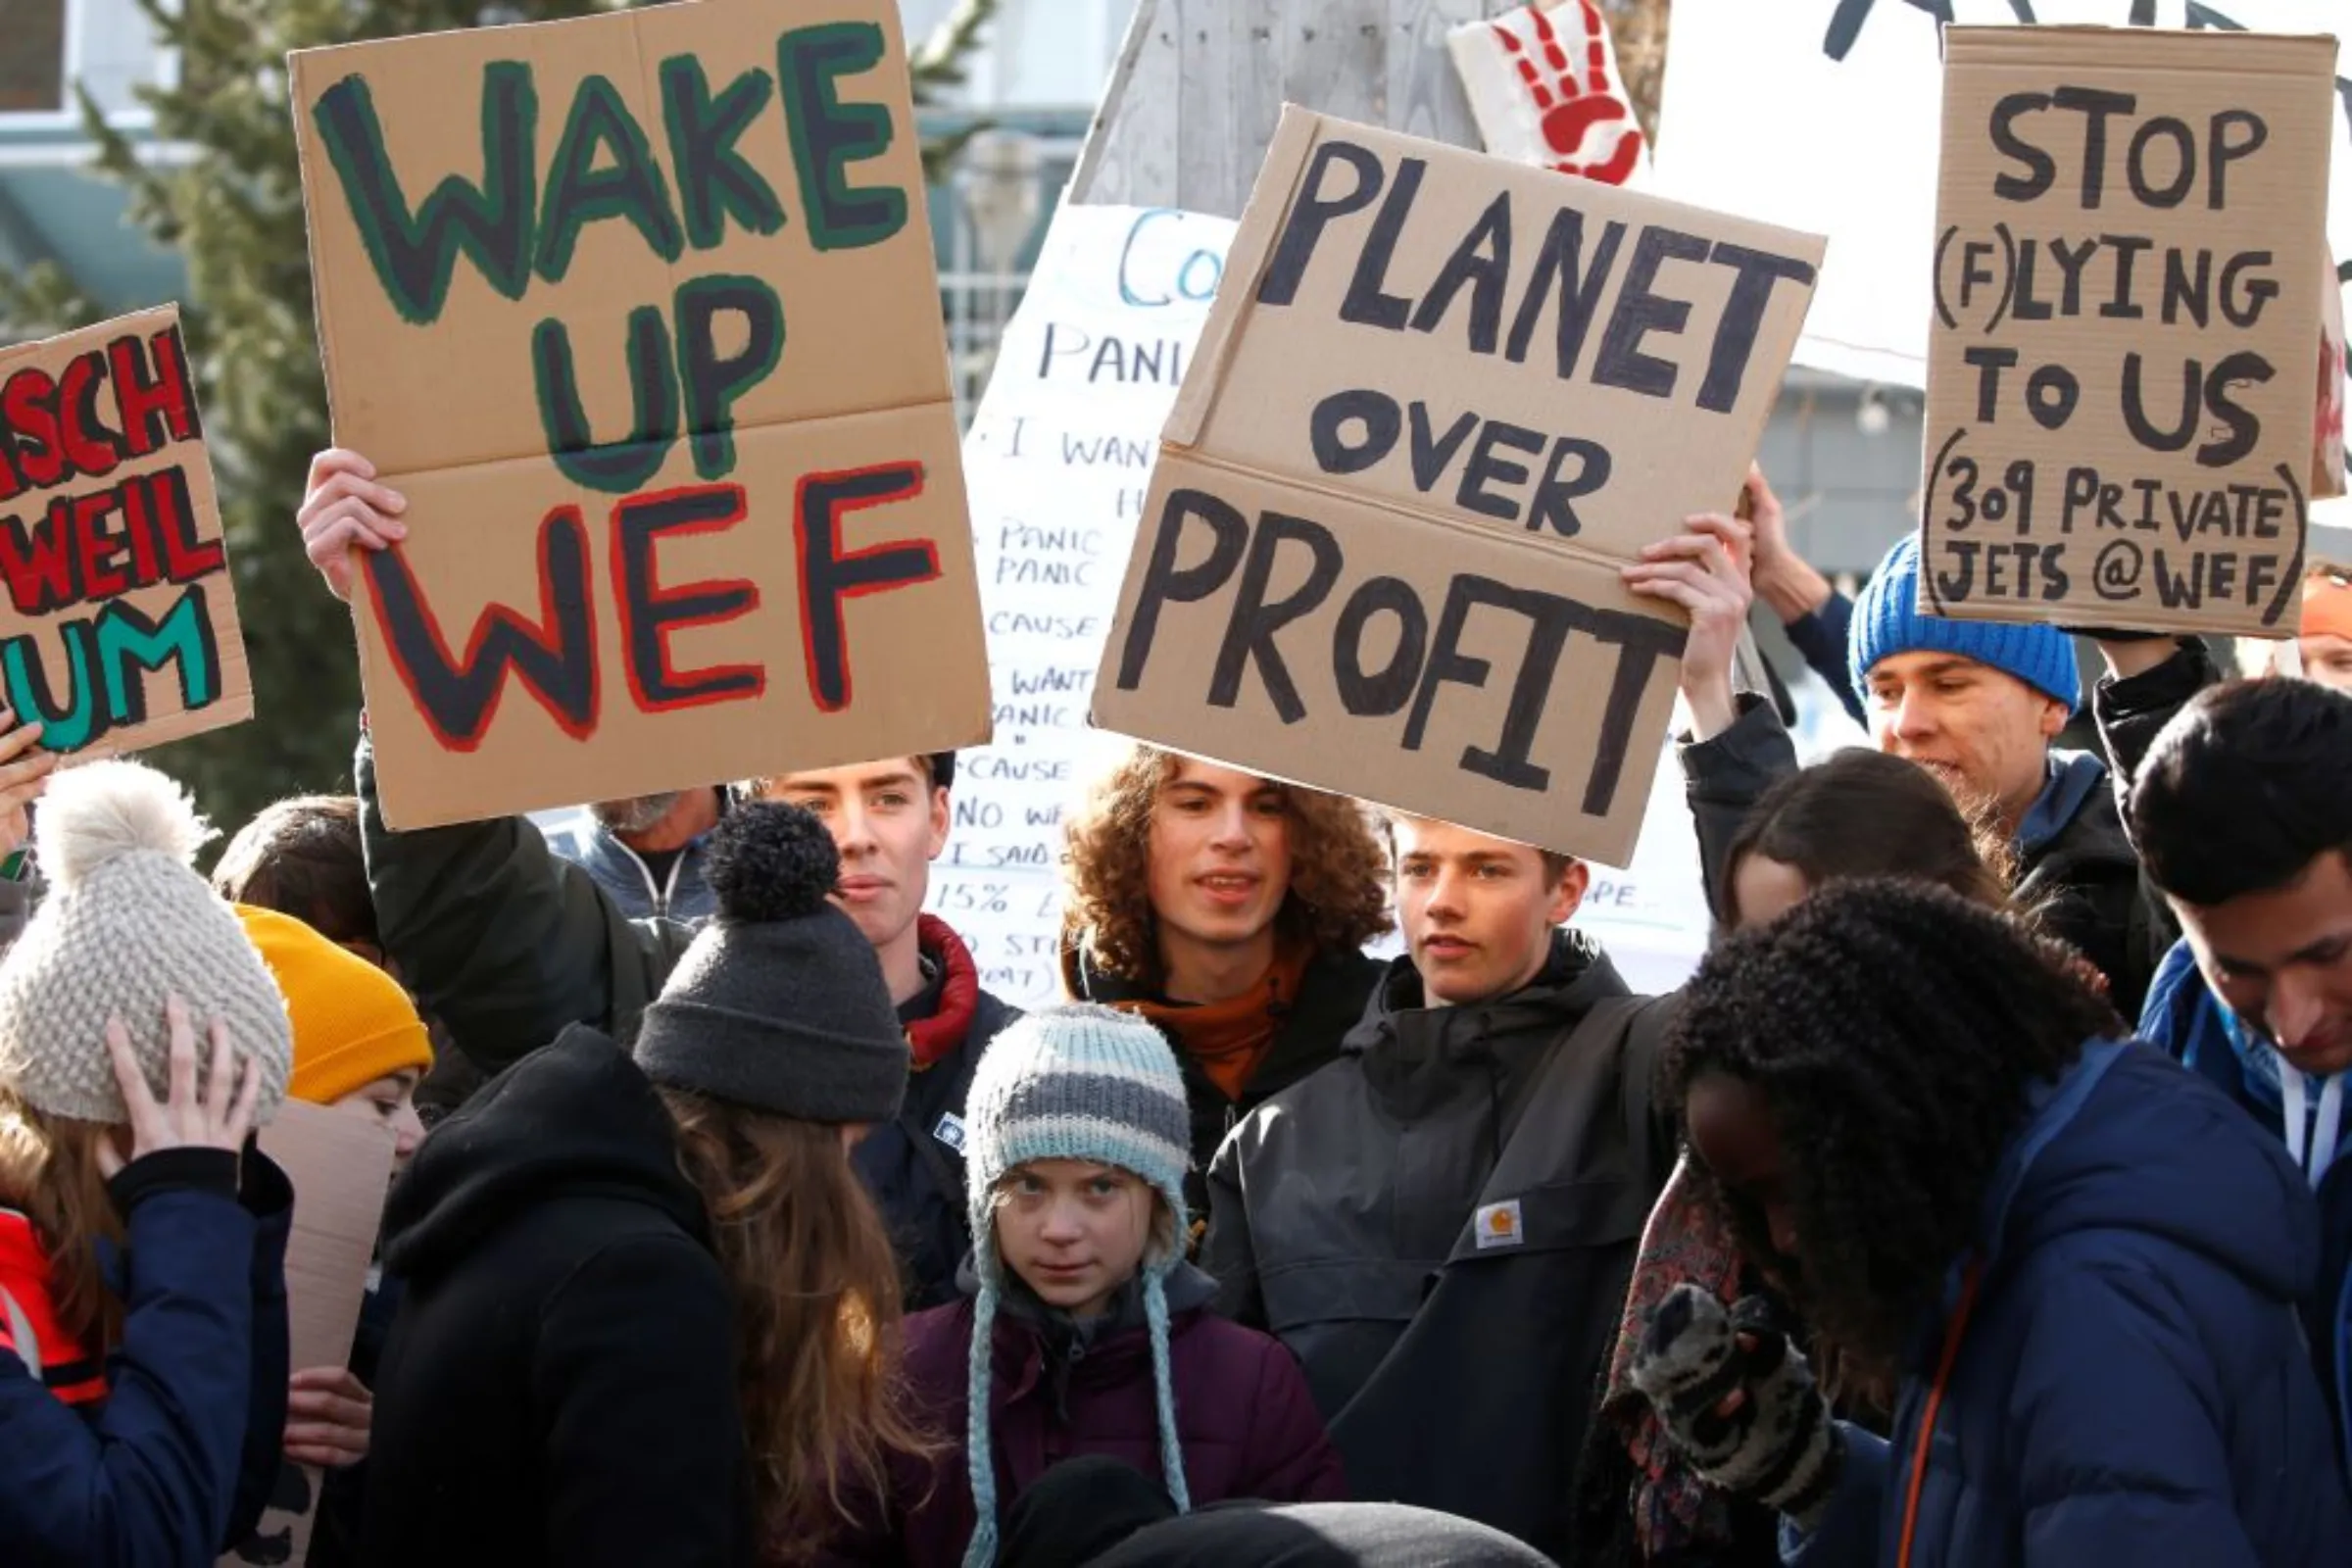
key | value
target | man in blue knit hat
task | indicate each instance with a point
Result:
(1979, 703)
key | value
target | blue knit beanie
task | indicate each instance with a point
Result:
(1071, 1083)
(1888, 621)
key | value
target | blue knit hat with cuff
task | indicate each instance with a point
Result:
(1072, 1082)
(1888, 621)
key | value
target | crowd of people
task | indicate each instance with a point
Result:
(1978, 1203)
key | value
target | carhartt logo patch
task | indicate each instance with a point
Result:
(949, 1131)
(1499, 1225)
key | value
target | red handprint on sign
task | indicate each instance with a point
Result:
(1589, 128)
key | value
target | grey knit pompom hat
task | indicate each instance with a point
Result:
(126, 923)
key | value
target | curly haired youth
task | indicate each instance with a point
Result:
(1338, 876)
(1893, 1029)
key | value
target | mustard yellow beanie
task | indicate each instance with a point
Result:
(353, 1023)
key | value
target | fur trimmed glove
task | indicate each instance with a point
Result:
(1780, 1447)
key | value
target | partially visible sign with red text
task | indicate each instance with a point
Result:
(119, 629)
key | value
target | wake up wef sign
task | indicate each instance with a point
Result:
(639, 312)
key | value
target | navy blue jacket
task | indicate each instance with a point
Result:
(2132, 1386)
(2184, 1017)
(179, 1457)
(913, 1167)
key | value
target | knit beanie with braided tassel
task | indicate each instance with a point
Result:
(1072, 1082)
(126, 923)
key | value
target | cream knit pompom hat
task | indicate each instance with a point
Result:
(127, 922)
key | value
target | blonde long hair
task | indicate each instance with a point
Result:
(816, 1290)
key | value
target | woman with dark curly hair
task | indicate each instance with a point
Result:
(1232, 911)
(2077, 1265)
(1858, 815)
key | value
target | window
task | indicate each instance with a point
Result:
(50, 47)
(113, 52)
(33, 56)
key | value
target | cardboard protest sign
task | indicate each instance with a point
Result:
(639, 313)
(340, 1166)
(120, 627)
(1440, 401)
(1854, 87)
(2128, 283)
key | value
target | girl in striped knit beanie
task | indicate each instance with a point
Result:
(1084, 1330)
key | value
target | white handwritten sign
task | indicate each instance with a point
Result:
(1056, 463)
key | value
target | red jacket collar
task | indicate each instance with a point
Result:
(938, 1036)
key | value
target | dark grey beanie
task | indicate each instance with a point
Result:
(779, 1005)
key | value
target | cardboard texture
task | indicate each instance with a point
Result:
(2129, 283)
(639, 312)
(340, 1166)
(1440, 401)
(120, 625)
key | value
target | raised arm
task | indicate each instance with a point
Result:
(1736, 748)
(1812, 612)
(501, 940)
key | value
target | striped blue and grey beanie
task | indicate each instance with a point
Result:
(1071, 1083)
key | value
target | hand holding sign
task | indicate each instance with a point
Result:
(1705, 572)
(344, 510)
(25, 770)
(329, 1413)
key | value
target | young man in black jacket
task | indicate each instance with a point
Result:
(508, 945)
(1440, 1223)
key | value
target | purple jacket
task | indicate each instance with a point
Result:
(1249, 1427)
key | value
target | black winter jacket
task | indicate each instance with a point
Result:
(1723, 779)
(560, 1385)
(2086, 887)
(1441, 1225)
(2132, 712)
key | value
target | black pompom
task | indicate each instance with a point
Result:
(767, 860)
